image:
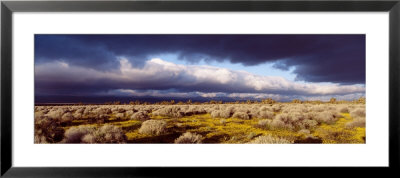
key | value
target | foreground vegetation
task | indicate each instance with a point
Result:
(202, 123)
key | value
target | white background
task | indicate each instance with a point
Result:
(373, 153)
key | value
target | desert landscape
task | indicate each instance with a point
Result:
(265, 123)
(200, 88)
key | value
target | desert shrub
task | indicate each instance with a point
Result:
(276, 123)
(337, 114)
(215, 114)
(226, 113)
(106, 134)
(230, 109)
(77, 115)
(307, 124)
(189, 138)
(114, 109)
(75, 134)
(268, 139)
(89, 134)
(318, 108)
(67, 117)
(240, 109)
(39, 115)
(140, 115)
(287, 117)
(293, 121)
(48, 130)
(266, 115)
(41, 139)
(43, 109)
(194, 110)
(210, 108)
(102, 110)
(120, 110)
(357, 122)
(153, 127)
(221, 114)
(264, 123)
(295, 108)
(88, 138)
(265, 108)
(276, 108)
(169, 111)
(87, 111)
(241, 115)
(344, 110)
(55, 114)
(129, 113)
(100, 117)
(326, 117)
(119, 115)
(304, 131)
(80, 110)
(358, 113)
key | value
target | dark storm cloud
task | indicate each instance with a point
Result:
(316, 58)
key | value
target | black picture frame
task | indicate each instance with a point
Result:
(8, 7)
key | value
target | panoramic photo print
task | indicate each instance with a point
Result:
(200, 88)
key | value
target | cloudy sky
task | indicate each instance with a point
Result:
(282, 67)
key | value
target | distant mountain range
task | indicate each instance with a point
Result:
(122, 99)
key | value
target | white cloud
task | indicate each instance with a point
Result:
(207, 81)
(328, 97)
(234, 96)
(211, 95)
(154, 93)
(257, 96)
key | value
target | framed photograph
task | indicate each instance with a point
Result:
(158, 88)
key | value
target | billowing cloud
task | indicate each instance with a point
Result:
(315, 58)
(160, 78)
